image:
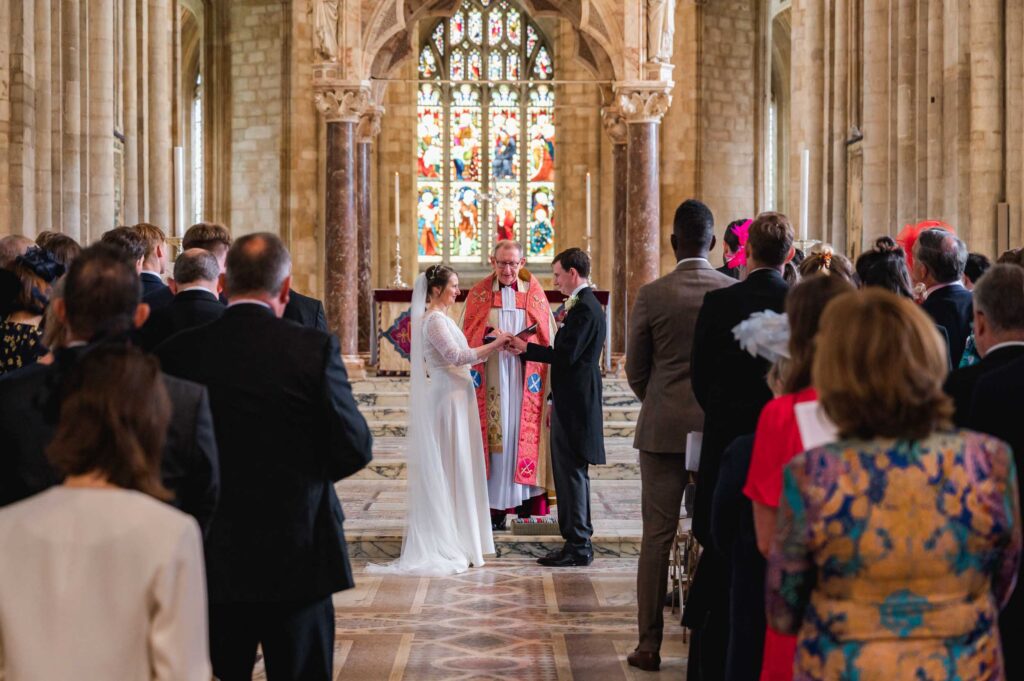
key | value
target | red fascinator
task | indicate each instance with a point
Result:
(908, 237)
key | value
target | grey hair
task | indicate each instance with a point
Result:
(12, 246)
(942, 253)
(507, 243)
(257, 263)
(999, 295)
(195, 264)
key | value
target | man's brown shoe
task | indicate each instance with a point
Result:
(642, 659)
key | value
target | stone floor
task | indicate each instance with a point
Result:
(510, 619)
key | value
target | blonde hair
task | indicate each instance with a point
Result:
(879, 367)
(153, 235)
(825, 260)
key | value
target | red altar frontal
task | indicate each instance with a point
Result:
(389, 350)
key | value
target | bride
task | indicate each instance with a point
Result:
(448, 526)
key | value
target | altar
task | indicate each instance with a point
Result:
(391, 320)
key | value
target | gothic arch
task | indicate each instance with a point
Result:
(388, 38)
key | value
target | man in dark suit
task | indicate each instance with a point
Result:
(101, 301)
(661, 329)
(939, 261)
(730, 386)
(216, 239)
(998, 334)
(155, 292)
(130, 243)
(577, 423)
(195, 301)
(287, 429)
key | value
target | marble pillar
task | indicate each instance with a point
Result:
(642, 111)
(159, 133)
(367, 130)
(618, 133)
(342, 108)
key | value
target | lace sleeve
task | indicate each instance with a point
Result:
(439, 336)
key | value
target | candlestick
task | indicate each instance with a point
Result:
(805, 186)
(589, 215)
(397, 207)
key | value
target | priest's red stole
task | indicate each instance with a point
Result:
(479, 303)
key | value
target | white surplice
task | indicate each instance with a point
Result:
(502, 489)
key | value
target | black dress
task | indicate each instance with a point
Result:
(20, 345)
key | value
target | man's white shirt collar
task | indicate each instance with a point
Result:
(935, 288)
(249, 301)
(199, 288)
(579, 288)
(1007, 344)
(693, 260)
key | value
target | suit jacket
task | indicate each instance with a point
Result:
(952, 307)
(28, 420)
(188, 309)
(728, 382)
(306, 311)
(575, 363)
(155, 292)
(658, 362)
(960, 385)
(287, 429)
(731, 272)
(996, 410)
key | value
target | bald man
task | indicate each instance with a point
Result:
(196, 298)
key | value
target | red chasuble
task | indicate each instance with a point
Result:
(479, 303)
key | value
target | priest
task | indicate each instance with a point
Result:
(511, 393)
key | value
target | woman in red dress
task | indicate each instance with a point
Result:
(788, 425)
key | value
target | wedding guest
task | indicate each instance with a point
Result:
(1014, 256)
(100, 580)
(21, 338)
(577, 425)
(885, 266)
(898, 544)
(12, 246)
(998, 334)
(730, 386)
(733, 240)
(939, 260)
(155, 292)
(287, 429)
(55, 332)
(977, 265)
(43, 238)
(196, 300)
(512, 395)
(130, 242)
(825, 260)
(63, 248)
(101, 304)
(751, 494)
(661, 329)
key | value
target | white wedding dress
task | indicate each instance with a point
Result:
(448, 524)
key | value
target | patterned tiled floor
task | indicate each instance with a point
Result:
(508, 620)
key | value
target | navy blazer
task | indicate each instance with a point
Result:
(952, 308)
(306, 311)
(155, 292)
(187, 310)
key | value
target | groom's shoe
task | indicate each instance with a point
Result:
(553, 555)
(643, 659)
(567, 560)
(499, 525)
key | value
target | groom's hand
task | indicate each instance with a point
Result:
(516, 345)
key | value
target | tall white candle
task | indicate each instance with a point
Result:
(589, 217)
(179, 191)
(805, 187)
(397, 206)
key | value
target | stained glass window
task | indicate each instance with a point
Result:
(486, 135)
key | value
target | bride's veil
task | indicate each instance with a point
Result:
(430, 545)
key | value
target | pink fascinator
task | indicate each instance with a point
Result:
(742, 232)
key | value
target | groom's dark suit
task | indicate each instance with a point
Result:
(577, 425)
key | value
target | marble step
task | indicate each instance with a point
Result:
(400, 398)
(393, 427)
(389, 461)
(375, 518)
(616, 386)
(379, 414)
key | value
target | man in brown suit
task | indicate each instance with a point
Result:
(658, 367)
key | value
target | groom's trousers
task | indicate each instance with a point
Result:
(572, 486)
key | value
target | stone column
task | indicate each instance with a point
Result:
(619, 135)
(44, 127)
(642, 108)
(878, 176)
(159, 133)
(71, 142)
(342, 104)
(101, 116)
(986, 131)
(366, 131)
(129, 89)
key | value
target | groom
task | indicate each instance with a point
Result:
(577, 428)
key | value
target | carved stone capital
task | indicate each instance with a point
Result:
(614, 125)
(342, 102)
(369, 124)
(643, 104)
